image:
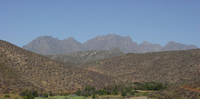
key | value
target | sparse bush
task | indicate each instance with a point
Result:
(12, 92)
(92, 88)
(31, 97)
(41, 95)
(132, 93)
(45, 95)
(93, 96)
(34, 93)
(87, 88)
(86, 95)
(50, 93)
(150, 86)
(78, 92)
(65, 94)
(7, 96)
(123, 93)
(115, 93)
(128, 89)
(137, 83)
(25, 97)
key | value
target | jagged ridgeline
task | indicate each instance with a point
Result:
(20, 68)
(47, 45)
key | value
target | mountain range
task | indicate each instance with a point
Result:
(47, 45)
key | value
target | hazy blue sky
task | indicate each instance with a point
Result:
(155, 21)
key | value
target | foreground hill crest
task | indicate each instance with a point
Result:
(20, 68)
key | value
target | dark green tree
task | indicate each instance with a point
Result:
(25, 97)
(50, 93)
(115, 92)
(45, 95)
(92, 88)
(93, 96)
(87, 88)
(35, 94)
(78, 92)
(7, 96)
(31, 96)
(123, 93)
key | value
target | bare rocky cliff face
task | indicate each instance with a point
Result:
(177, 46)
(47, 45)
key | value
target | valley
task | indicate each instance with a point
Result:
(100, 74)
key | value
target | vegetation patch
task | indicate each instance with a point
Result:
(128, 91)
(12, 96)
(150, 86)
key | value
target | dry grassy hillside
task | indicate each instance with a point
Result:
(41, 72)
(166, 67)
(80, 57)
(187, 89)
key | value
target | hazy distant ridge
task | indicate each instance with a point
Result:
(48, 45)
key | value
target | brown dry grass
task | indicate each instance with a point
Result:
(166, 67)
(45, 74)
(12, 96)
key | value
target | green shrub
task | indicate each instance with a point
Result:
(31, 97)
(132, 93)
(86, 95)
(87, 88)
(12, 92)
(115, 93)
(123, 93)
(65, 94)
(78, 92)
(7, 96)
(128, 89)
(35, 94)
(25, 97)
(92, 88)
(50, 93)
(150, 86)
(45, 95)
(93, 96)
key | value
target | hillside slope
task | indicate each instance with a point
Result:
(45, 73)
(167, 67)
(80, 57)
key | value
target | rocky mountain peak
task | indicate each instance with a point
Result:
(145, 43)
(71, 39)
(47, 45)
(192, 47)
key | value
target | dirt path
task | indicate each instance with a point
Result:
(141, 97)
(144, 90)
(193, 89)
